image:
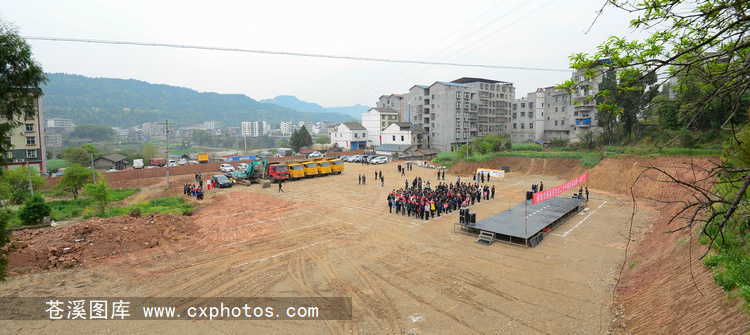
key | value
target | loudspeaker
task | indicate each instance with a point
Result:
(535, 188)
(529, 195)
(472, 217)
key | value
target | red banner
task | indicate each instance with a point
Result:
(546, 194)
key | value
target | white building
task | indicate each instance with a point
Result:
(287, 127)
(254, 128)
(375, 121)
(350, 135)
(405, 133)
(66, 125)
(209, 125)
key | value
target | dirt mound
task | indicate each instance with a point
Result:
(559, 167)
(95, 239)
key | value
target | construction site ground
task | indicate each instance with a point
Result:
(331, 237)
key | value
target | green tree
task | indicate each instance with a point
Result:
(667, 113)
(34, 210)
(80, 155)
(323, 139)
(305, 137)
(94, 132)
(14, 184)
(149, 151)
(75, 178)
(100, 194)
(21, 79)
(295, 141)
(201, 137)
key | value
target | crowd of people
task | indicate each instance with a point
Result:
(197, 191)
(420, 200)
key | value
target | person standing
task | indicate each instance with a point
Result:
(376, 174)
(364, 179)
(360, 178)
(380, 174)
(438, 172)
(492, 192)
(587, 193)
(406, 184)
(403, 171)
(541, 186)
(280, 182)
(382, 182)
(443, 174)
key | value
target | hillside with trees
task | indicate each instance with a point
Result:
(126, 103)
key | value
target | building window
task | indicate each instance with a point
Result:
(555, 109)
(555, 122)
(563, 109)
(29, 127)
(466, 95)
(458, 104)
(531, 125)
(522, 124)
(356, 135)
(514, 126)
(523, 105)
(548, 118)
(31, 140)
(402, 138)
(30, 153)
(556, 99)
(523, 114)
(458, 95)
(575, 113)
(466, 105)
(458, 134)
(515, 115)
(394, 138)
(531, 114)
(562, 122)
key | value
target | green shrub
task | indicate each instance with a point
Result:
(526, 147)
(34, 210)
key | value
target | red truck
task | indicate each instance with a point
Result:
(157, 161)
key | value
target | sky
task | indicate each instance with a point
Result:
(518, 36)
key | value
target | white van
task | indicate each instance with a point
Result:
(226, 168)
(137, 163)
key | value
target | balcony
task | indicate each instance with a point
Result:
(583, 122)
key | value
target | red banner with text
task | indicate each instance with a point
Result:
(546, 194)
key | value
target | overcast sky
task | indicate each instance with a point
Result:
(513, 33)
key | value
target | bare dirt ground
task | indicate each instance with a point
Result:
(330, 237)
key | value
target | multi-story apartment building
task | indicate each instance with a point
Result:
(154, 130)
(375, 121)
(65, 125)
(287, 127)
(395, 102)
(456, 113)
(254, 128)
(28, 141)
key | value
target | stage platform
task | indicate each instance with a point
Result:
(510, 226)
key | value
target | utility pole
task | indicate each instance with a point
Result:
(93, 172)
(166, 132)
(31, 186)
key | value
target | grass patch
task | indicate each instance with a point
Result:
(632, 264)
(53, 164)
(446, 158)
(526, 147)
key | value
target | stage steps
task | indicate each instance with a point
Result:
(486, 237)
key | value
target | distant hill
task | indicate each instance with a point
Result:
(126, 103)
(290, 101)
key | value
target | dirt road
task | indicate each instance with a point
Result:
(330, 237)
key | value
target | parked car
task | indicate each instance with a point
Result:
(152, 167)
(242, 167)
(183, 161)
(315, 154)
(379, 160)
(343, 158)
(221, 181)
(112, 170)
(226, 168)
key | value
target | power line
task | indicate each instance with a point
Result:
(269, 52)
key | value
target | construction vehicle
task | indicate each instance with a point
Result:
(285, 151)
(337, 165)
(157, 161)
(325, 147)
(296, 170)
(324, 166)
(203, 158)
(311, 168)
(262, 172)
